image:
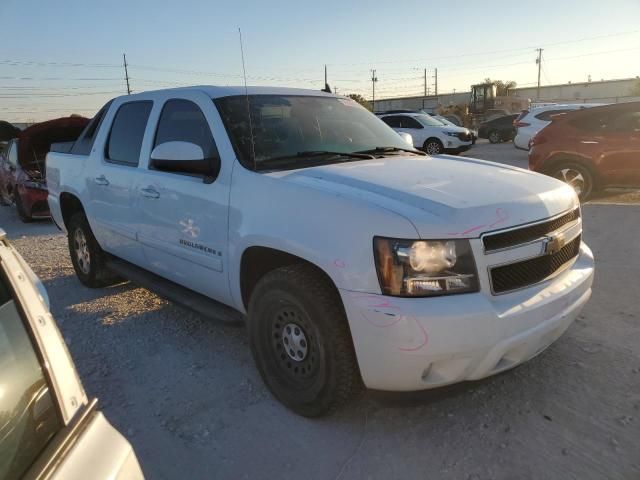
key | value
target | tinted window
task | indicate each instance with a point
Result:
(628, 121)
(127, 131)
(546, 116)
(393, 122)
(84, 144)
(409, 122)
(182, 120)
(28, 415)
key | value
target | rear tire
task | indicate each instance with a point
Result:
(300, 341)
(433, 146)
(577, 176)
(494, 136)
(88, 259)
(22, 213)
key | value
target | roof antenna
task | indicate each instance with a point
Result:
(246, 94)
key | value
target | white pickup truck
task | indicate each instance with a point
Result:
(357, 260)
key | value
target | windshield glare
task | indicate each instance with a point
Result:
(428, 120)
(285, 125)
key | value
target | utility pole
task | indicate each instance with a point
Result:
(539, 62)
(126, 73)
(436, 83)
(325, 76)
(374, 79)
(425, 82)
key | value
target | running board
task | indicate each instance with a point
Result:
(169, 290)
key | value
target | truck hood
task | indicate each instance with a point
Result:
(444, 196)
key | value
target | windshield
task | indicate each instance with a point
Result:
(288, 125)
(444, 121)
(428, 120)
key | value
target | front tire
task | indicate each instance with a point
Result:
(577, 176)
(300, 341)
(88, 259)
(494, 136)
(433, 146)
(22, 213)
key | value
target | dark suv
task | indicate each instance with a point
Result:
(591, 149)
(499, 129)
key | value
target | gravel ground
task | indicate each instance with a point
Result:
(185, 392)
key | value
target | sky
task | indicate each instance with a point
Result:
(65, 56)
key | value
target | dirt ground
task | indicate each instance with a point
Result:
(185, 392)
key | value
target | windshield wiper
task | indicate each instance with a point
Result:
(379, 150)
(315, 154)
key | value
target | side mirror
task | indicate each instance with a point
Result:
(407, 138)
(184, 157)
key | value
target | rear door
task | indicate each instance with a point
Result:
(620, 146)
(116, 172)
(183, 220)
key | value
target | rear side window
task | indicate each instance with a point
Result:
(28, 413)
(393, 122)
(546, 116)
(182, 120)
(84, 143)
(127, 132)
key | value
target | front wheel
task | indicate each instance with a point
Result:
(494, 136)
(88, 259)
(433, 146)
(300, 341)
(576, 175)
(22, 212)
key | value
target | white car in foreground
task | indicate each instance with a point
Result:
(48, 426)
(429, 134)
(532, 121)
(356, 259)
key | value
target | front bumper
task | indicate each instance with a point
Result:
(407, 344)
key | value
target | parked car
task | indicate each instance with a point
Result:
(48, 426)
(356, 259)
(22, 168)
(530, 122)
(499, 129)
(430, 134)
(591, 149)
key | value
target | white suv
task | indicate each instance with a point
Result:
(532, 121)
(429, 134)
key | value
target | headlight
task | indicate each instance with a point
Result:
(452, 134)
(423, 268)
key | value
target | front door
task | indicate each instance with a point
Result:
(183, 218)
(111, 184)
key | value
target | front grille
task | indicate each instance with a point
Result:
(512, 238)
(532, 271)
(464, 136)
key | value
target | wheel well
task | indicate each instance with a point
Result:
(558, 160)
(258, 261)
(433, 138)
(69, 204)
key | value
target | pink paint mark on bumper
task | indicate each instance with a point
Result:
(424, 341)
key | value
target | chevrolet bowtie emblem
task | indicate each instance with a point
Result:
(553, 243)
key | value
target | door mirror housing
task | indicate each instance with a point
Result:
(407, 138)
(184, 157)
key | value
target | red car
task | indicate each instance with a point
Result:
(591, 149)
(22, 167)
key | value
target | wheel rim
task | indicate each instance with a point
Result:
(494, 137)
(294, 346)
(82, 251)
(574, 178)
(433, 148)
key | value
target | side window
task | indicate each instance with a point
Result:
(410, 122)
(127, 131)
(84, 143)
(12, 157)
(393, 122)
(546, 116)
(182, 120)
(624, 122)
(28, 413)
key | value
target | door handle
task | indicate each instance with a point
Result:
(101, 180)
(150, 192)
